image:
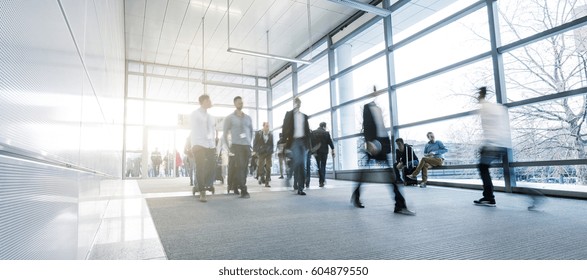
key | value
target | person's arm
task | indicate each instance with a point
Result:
(441, 148)
(226, 130)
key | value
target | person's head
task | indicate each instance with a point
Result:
(205, 101)
(482, 93)
(400, 143)
(238, 102)
(323, 125)
(297, 103)
(265, 126)
(430, 136)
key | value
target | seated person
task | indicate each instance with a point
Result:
(405, 160)
(433, 156)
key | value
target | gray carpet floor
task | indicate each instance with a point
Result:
(280, 225)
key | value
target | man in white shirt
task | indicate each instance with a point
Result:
(296, 132)
(496, 132)
(203, 147)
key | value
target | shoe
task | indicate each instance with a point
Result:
(404, 211)
(422, 185)
(203, 196)
(301, 193)
(356, 202)
(412, 177)
(236, 191)
(321, 185)
(485, 202)
(267, 186)
(245, 195)
(280, 177)
(194, 190)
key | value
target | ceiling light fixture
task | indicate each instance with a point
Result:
(363, 7)
(266, 55)
(253, 53)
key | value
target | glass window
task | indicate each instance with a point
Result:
(563, 177)
(461, 137)
(315, 121)
(279, 113)
(457, 41)
(313, 74)
(134, 111)
(282, 91)
(134, 138)
(315, 51)
(550, 130)
(166, 114)
(546, 67)
(262, 99)
(316, 100)
(222, 95)
(446, 94)
(362, 81)
(521, 19)
(364, 45)
(410, 19)
(349, 155)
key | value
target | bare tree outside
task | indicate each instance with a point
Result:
(555, 129)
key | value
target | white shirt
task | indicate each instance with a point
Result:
(298, 125)
(203, 129)
(496, 125)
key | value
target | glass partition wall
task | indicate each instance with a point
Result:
(423, 69)
(159, 101)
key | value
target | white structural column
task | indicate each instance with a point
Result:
(348, 156)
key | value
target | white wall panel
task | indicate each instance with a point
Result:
(61, 114)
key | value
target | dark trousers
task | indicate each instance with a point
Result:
(205, 159)
(264, 168)
(242, 155)
(488, 155)
(299, 155)
(281, 158)
(321, 162)
(400, 201)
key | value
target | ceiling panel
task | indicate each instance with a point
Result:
(163, 31)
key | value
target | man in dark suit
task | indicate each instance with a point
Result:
(296, 132)
(263, 148)
(321, 140)
(378, 148)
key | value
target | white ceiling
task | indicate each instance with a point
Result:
(163, 31)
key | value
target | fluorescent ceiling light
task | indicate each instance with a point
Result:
(265, 55)
(364, 7)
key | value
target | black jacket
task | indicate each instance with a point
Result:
(370, 131)
(260, 146)
(288, 130)
(406, 156)
(321, 140)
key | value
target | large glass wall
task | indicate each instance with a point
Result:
(158, 104)
(436, 60)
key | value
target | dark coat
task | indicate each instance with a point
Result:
(260, 146)
(370, 132)
(288, 130)
(321, 140)
(407, 155)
